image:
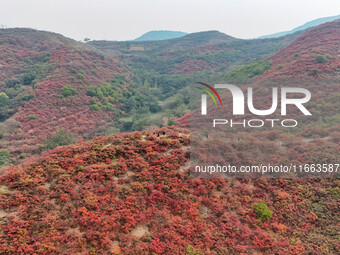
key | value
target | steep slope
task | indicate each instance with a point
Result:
(131, 194)
(307, 25)
(44, 79)
(314, 53)
(160, 35)
(312, 62)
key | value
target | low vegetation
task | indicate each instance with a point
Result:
(131, 193)
(60, 138)
(243, 73)
(67, 91)
(262, 211)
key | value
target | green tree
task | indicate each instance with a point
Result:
(94, 107)
(189, 250)
(92, 92)
(146, 84)
(243, 73)
(181, 110)
(60, 138)
(67, 90)
(141, 123)
(28, 78)
(262, 211)
(4, 157)
(31, 117)
(320, 59)
(171, 122)
(4, 99)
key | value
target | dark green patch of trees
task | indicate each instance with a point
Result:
(242, 74)
(60, 138)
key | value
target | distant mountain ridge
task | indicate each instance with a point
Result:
(37, 65)
(307, 25)
(300, 58)
(160, 35)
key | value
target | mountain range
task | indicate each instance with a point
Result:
(125, 186)
(166, 34)
(54, 83)
(160, 35)
(307, 25)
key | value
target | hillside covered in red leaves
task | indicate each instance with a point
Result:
(311, 61)
(313, 54)
(52, 84)
(131, 194)
(35, 66)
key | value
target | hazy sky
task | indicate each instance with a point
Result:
(128, 19)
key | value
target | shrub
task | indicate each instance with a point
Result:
(44, 58)
(12, 82)
(108, 107)
(4, 99)
(27, 97)
(4, 156)
(31, 117)
(189, 250)
(28, 78)
(67, 90)
(60, 138)
(94, 107)
(320, 59)
(171, 122)
(262, 211)
(335, 192)
(92, 92)
(243, 73)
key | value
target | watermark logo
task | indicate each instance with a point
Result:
(204, 97)
(239, 100)
(258, 130)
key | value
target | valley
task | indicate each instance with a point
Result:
(96, 145)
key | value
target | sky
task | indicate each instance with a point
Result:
(128, 19)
